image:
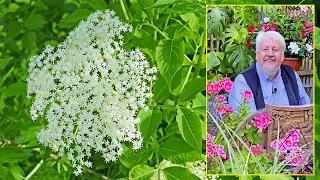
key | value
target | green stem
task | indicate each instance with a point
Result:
(124, 10)
(203, 46)
(159, 31)
(187, 78)
(34, 170)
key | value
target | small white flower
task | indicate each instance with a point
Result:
(266, 19)
(294, 48)
(309, 48)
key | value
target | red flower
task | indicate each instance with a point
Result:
(303, 33)
(251, 28)
(248, 43)
(309, 29)
(273, 27)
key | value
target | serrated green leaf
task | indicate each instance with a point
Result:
(142, 7)
(179, 173)
(192, 88)
(15, 89)
(132, 158)
(178, 151)
(160, 89)
(97, 4)
(199, 101)
(189, 125)
(141, 172)
(169, 57)
(192, 21)
(4, 62)
(317, 38)
(187, 7)
(150, 121)
(29, 41)
(13, 154)
(144, 41)
(35, 21)
(162, 3)
(17, 172)
(14, 29)
(5, 174)
(74, 18)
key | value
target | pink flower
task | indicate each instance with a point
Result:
(262, 120)
(251, 28)
(303, 9)
(228, 85)
(224, 109)
(209, 136)
(214, 88)
(265, 27)
(216, 151)
(211, 149)
(220, 98)
(273, 27)
(257, 149)
(305, 23)
(295, 158)
(247, 94)
(293, 15)
(309, 29)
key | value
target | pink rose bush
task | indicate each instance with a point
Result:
(216, 150)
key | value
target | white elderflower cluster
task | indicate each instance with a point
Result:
(89, 89)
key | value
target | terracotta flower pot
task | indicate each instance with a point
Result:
(295, 63)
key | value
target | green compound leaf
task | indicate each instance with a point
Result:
(74, 18)
(179, 173)
(192, 88)
(132, 158)
(150, 121)
(160, 89)
(189, 125)
(5, 174)
(15, 89)
(178, 151)
(144, 41)
(169, 57)
(12, 154)
(97, 4)
(141, 172)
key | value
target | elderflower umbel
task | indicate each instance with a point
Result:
(89, 89)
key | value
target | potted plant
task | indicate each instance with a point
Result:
(295, 24)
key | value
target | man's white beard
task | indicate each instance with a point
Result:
(270, 72)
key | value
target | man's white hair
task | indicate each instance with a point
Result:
(270, 34)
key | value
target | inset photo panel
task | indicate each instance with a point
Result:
(260, 62)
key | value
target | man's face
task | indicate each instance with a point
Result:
(269, 55)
